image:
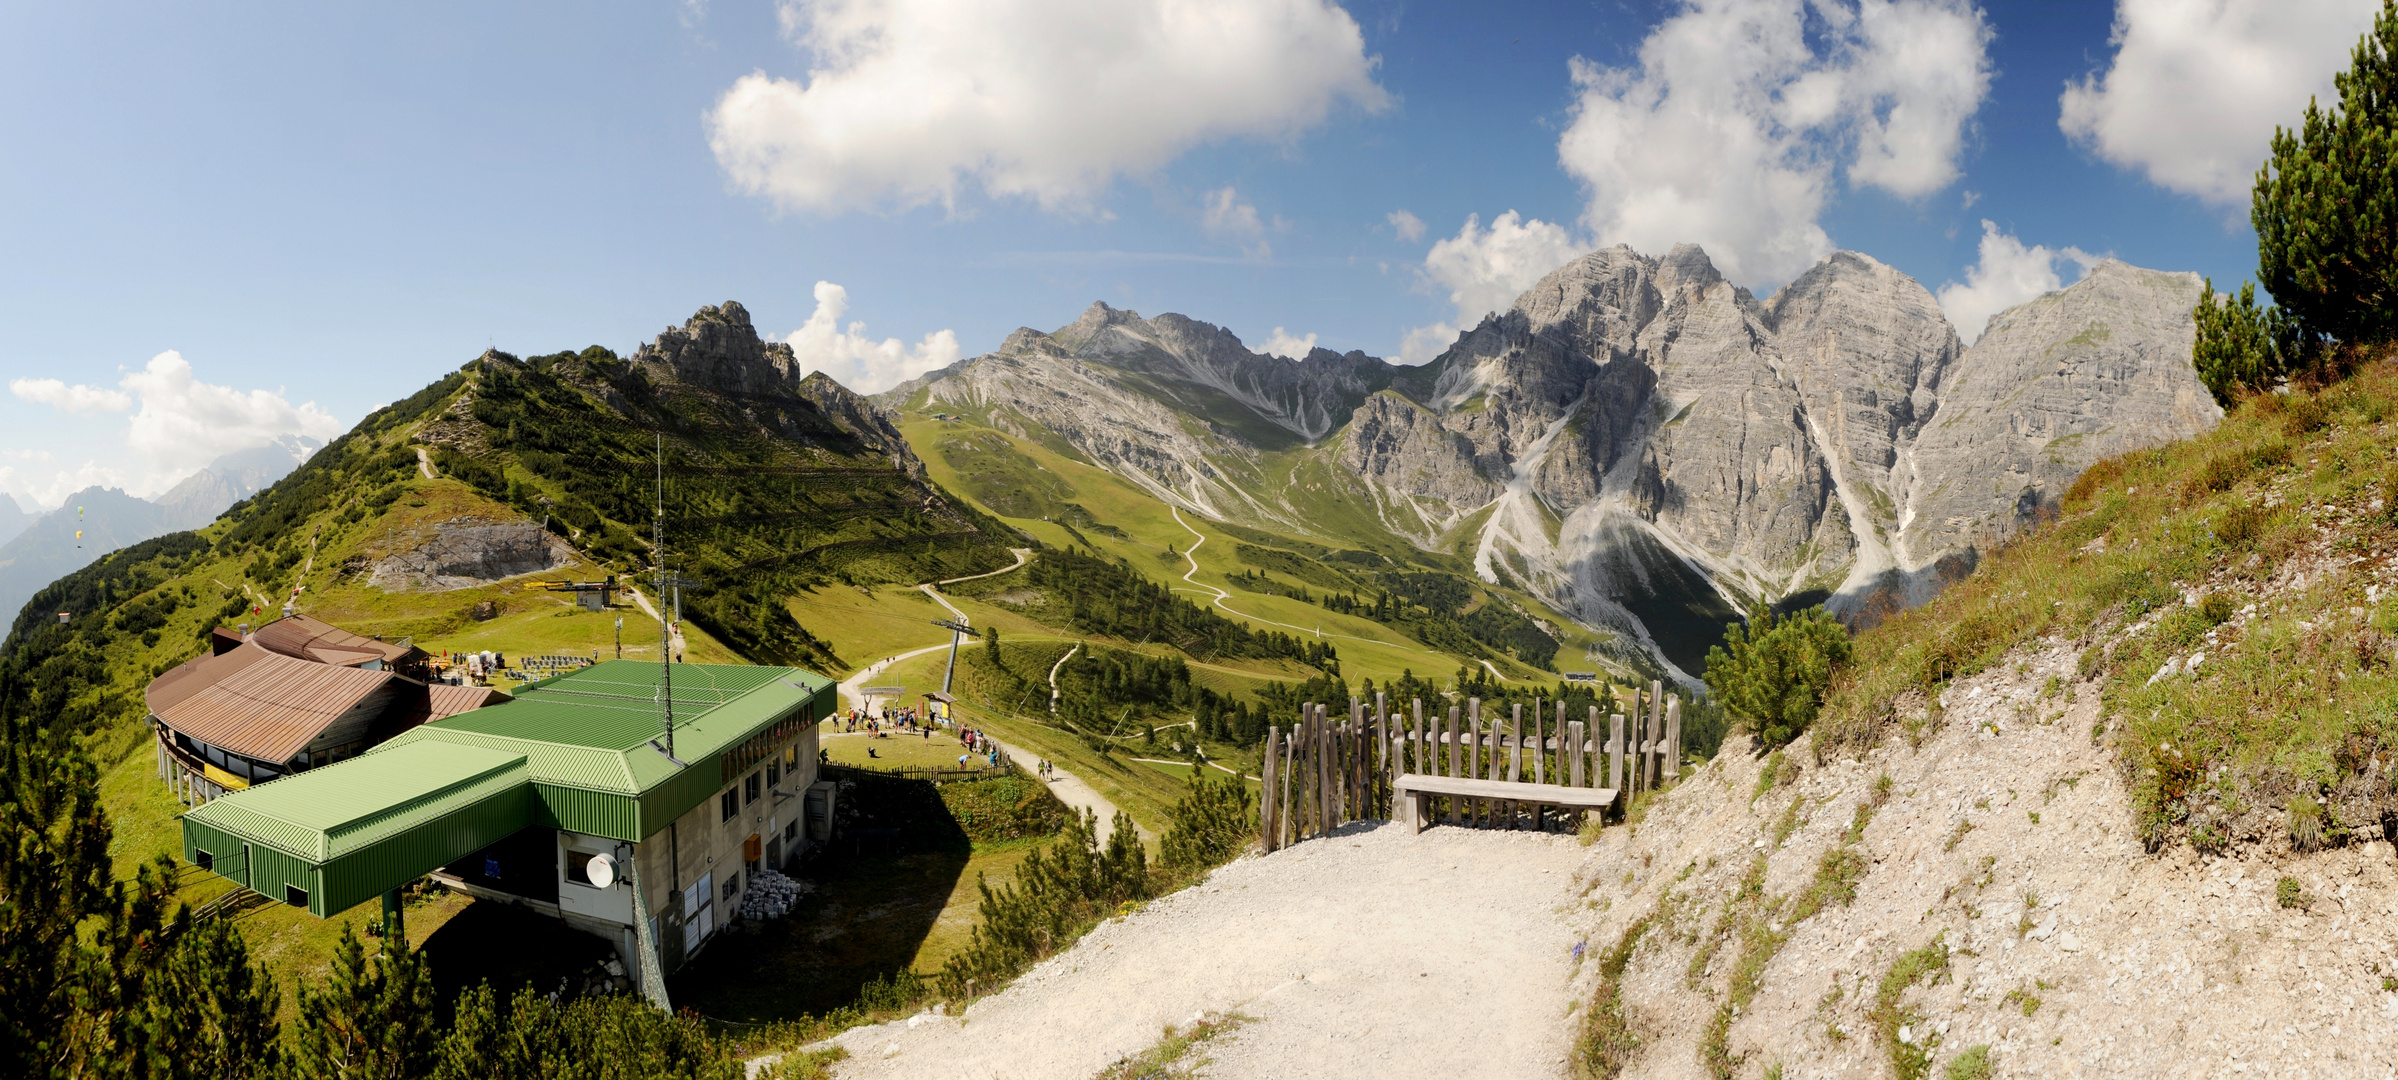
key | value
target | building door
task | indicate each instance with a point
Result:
(699, 910)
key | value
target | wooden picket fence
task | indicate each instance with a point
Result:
(1328, 770)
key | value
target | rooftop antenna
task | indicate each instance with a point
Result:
(657, 533)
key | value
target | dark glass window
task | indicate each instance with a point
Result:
(578, 867)
(203, 860)
(749, 787)
(295, 896)
(774, 772)
(731, 804)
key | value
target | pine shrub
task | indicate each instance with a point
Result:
(1210, 826)
(1770, 672)
(1060, 891)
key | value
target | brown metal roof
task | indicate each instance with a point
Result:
(308, 638)
(447, 700)
(258, 703)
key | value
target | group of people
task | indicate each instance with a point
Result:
(478, 665)
(903, 721)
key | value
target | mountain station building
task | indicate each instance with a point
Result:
(298, 694)
(568, 798)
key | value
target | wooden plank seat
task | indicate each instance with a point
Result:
(1412, 795)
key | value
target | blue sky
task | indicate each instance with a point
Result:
(318, 208)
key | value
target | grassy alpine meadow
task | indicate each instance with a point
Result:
(2230, 596)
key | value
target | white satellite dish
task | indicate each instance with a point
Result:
(602, 871)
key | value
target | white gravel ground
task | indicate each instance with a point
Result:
(1370, 953)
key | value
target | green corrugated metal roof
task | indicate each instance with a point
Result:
(573, 752)
(323, 813)
(591, 728)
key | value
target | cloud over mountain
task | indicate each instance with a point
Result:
(1729, 129)
(2196, 87)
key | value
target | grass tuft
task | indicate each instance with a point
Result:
(1899, 1027)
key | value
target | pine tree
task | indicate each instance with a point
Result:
(2234, 351)
(76, 946)
(210, 1011)
(2325, 207)
(373, 1018)
(1770, 673)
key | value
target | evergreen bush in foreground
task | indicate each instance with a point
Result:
(1770, 673)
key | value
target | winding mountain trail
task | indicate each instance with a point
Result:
(1053, 670)
(1072, 790)
(424, 464)
(1221, 596)
(1023, 555)
(652, 612)
(928, 590)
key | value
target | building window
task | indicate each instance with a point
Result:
(578, 867)
(774, 772)
(203, 860)
(732, 887)
(790, 828)
(731, 804)
(295, 896)
(749, 787)
(791, 758)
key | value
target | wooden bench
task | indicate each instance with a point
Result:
(1412, 795)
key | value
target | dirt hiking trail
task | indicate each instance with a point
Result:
(1356, 955)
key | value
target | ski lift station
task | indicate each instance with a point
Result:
(571, 797)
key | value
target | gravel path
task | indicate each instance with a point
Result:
(1368, 954)
(1074, 792)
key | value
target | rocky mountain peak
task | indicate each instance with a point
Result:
(718, 349)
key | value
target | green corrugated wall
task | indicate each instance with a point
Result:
(386, 864)
(599, 813)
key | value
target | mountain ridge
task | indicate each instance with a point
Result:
(1641, 443)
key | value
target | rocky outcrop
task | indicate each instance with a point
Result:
(1400, 446)
(719, 351)
(466, 552)
(2052, 386)
(1833, 443)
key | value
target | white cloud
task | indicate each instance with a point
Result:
(1484, 270)
(2007, 273)
(2197, 86)
(1227, 218)
(1423, 344)
(1729, 129)
(74, 399)
(1283, 343)
(909, 102)
(51, 492)
(860, 362)
(178, 425)
(182, 418)
(1409, 227)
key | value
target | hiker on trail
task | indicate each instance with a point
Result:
(961, 761)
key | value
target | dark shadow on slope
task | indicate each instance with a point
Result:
(1684, 614)
(879, 889)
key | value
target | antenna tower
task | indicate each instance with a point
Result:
(657, 531)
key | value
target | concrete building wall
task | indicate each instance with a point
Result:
(707, 845)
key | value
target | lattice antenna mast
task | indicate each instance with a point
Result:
(657, 531)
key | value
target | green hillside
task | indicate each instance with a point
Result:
(2231, 595)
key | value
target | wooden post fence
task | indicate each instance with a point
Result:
(1330, 769)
